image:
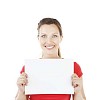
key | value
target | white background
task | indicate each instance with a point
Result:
(80, 20)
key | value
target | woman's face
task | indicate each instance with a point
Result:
(49, 38)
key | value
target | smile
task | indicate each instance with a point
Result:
(49, 47)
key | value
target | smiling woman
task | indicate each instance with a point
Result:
(50, 36)
(49, 39)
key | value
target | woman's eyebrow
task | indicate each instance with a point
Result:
(43, 33)
(55, 33)
(52, 33)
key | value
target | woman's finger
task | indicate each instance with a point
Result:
(75, 76)
(24, 74)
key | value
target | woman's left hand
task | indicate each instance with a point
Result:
(77, 83)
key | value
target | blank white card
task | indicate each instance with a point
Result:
(49, 76)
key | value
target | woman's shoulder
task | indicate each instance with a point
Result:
(77, 69)
(22, 70)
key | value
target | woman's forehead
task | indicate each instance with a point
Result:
(52, 28)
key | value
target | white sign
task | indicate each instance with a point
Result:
(49, 76)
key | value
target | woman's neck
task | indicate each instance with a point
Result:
(50, 57)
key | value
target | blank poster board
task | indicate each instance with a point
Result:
(49, 76)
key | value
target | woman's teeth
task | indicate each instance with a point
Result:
(49, 47)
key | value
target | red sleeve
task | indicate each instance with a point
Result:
(77, 69)
(23, 70)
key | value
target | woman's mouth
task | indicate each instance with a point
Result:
(50, 47)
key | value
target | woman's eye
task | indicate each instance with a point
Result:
(44, 36)
(54, 36)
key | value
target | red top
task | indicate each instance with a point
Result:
(77, 70)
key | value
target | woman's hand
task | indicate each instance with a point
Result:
(21, 82)
(77, 83)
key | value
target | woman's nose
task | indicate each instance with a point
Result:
(49, 39)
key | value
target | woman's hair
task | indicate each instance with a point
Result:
(49, 21)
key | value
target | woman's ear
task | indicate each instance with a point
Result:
(61, 38)
(38, 37)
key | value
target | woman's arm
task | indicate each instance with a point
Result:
(79, 96)
(21, 96)
(21, 82)
(78, 88)
(83, 94)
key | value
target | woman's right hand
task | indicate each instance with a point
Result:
(21, 82)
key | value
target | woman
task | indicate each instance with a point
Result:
(50, 36)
